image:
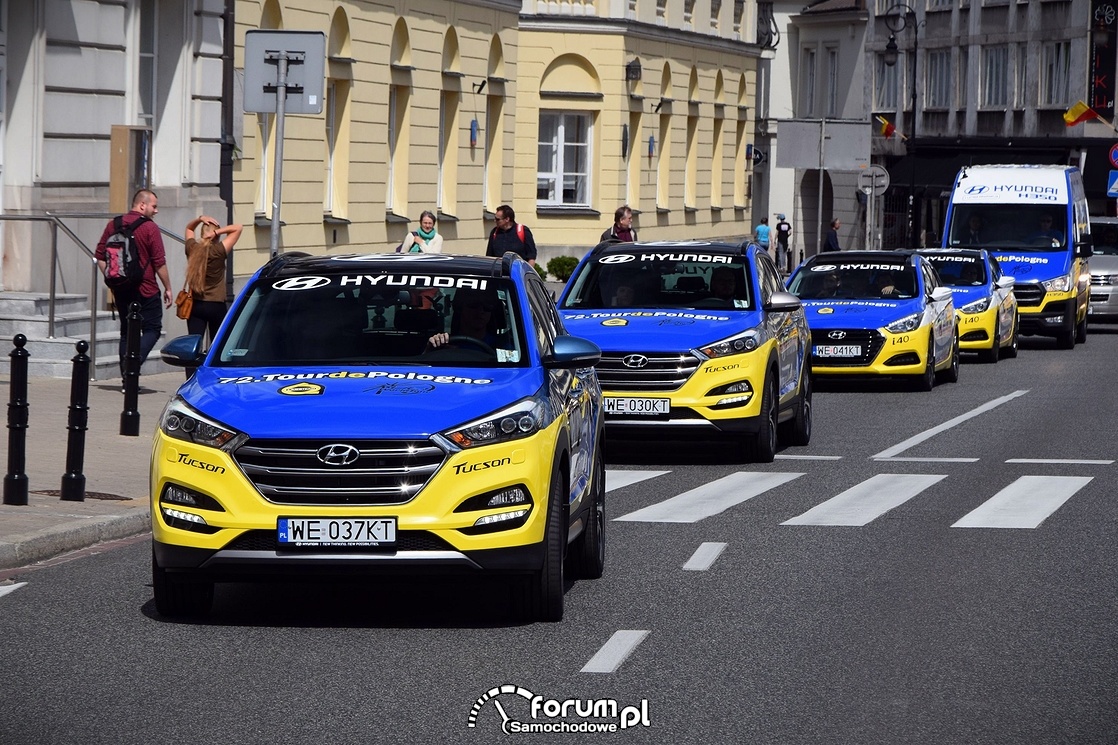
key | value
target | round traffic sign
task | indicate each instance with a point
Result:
(1114, 156)
(874, 178)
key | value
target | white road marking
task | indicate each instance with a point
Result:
(613, 653)
(1061, 461)
(704, 556)
(781, 456)
(930, 433)
(869, 500)
(1025, 503)
(903, 459)
(619, 479)
(710, 498)
(6, 589)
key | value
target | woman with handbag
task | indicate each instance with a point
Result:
(202, 300)
(426, 240)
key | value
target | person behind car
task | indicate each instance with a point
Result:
(476, 313)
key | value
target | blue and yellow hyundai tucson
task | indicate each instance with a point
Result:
(382, 413)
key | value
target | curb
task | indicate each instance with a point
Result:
(51, 542)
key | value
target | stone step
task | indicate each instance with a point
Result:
(74, 324)
(38, 303)
(53, 358)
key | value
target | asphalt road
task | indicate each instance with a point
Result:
(934, 568)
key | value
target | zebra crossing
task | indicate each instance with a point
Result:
(1024, 503)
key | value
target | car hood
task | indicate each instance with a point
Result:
(1101, 264)
(859, 314)
(964, 295)
(657, 330)
(1033, 267)
(368, 402)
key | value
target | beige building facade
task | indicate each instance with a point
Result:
(564, 111)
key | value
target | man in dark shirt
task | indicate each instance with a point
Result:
(149, 242)
(509, 236)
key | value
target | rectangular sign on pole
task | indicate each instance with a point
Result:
(305, 54)
(846, 145)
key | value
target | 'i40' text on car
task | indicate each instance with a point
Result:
(696, 338)
(382, 413)
(875, 313)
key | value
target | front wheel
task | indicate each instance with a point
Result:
(951, 374)
(994, 353)
(1065, 338)
(588, 551)
(798, 431)
(1010, 351)
(1081, 331)
(543, 598)
(927, 380)
(761, 447)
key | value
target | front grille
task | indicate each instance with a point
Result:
(385, 471)
(663, 372)
(868, 339)
(1104, 279)
(1029, 294)
(406, 540)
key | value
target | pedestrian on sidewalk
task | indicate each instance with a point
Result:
(511, 236)
(149, 246)
(762, 233)
(622, 229)
(207, 253)
(783, 230)
(832, 241)
(426, 240)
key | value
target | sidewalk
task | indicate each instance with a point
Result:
(115, 468)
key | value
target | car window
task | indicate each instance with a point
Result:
(547, 325)
(863, 280)
(770, 278)
(959, 270)
(661, 279)
(375, 319)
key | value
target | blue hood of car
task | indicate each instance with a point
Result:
(354, 401)
(657, 330)
(842, 313)
(1025, 266)
(963, 295)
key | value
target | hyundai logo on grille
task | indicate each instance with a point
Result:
(634, 360)
(837, 335)
(338, 455)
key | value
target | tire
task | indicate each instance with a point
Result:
(761, 446)
(798, 431)
(951, 374)
(544, 596)
(1010, 350)
(994, 353)
(177, 597)
(1065, 339)
(927, 379)
(1081, 331)
(588, 552)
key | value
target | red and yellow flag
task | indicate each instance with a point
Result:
(887, 127)
(1079, 113)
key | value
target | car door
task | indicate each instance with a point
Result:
(572, 390)
(942, 312)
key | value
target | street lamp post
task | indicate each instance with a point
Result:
(899, 17)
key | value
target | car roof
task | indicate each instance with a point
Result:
(978, 253)
(834, 257)
(618, 247)
(297, 264)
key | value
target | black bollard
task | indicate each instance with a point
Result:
(73, 481)
(15, 481)
(130, 417)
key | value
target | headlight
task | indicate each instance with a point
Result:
(977, 306)
(182, 422)
(1060, 284)
(522, 419)
(746, 341)
(908, 323)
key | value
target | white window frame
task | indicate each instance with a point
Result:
(885, 90)
(808, 99)
(393, 138)
(937, 86)
(832, 82)
(564, 143)
(331, 135)
(1055, 74)
(995, 77)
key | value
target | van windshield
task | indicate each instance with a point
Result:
(1034, 228)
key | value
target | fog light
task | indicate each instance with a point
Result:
(500, 517)
(188, 517)
(178, 495)
(508, 497)
(1054, 320)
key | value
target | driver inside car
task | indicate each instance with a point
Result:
(477, 315)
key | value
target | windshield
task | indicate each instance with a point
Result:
(1022, 227)
(661, 280)
(1105, 236)
(959, 270)
(376, 324)
(863, 281)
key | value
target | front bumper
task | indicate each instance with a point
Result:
(976, 330)
(1103, 303)
(1046, 314)
(888, 354)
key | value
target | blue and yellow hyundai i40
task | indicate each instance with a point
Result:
(382, 413)
(697, 338)
(876, 313)
(985, 306)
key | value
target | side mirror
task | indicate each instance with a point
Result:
(940, 294)
(572, 352)
(783, 302)
(1005, 282)
(183, 351)
(1084, 247)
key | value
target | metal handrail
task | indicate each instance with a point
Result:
(55, 220)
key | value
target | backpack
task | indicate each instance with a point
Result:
(519, 232)
(123, 268)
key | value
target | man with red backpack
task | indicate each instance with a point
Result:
(511, 236)
(143, 289)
